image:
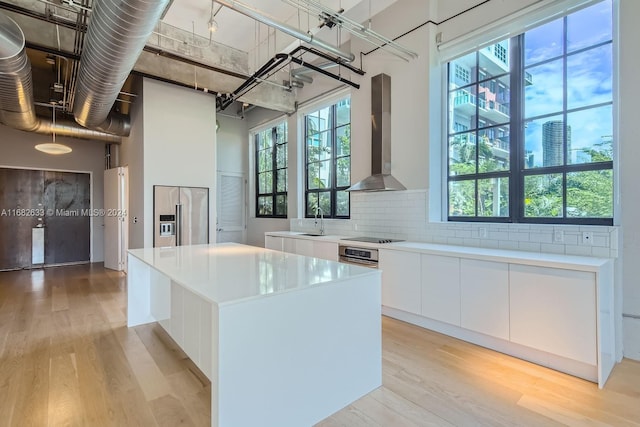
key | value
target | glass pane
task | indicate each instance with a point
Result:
(319, 174)
(589, 26)
(281, 184)
(343, 112)
(544, 42)
(266, 139)
(265, 162)
(319, 146)
(462, 154)
(342, 203)
(281, 156)
(494, 151)
(493, 102)
(343, 145)
(462, 198)
(265, 205)
(318, 121)
(493, 195)
(265, 184)
(312, 203)
(325, 202)
(543, 196)
(281, 133)
(494, 60)
(590, 135)
(590, 194)
(462, 104)
(281, 205)
(462, 71)
(543, 142)
(543, 92)
(589, 77)
(343, 172)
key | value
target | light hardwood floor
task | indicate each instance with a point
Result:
(68, 359)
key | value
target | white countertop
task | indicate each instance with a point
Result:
(584, 263)
(229, 272)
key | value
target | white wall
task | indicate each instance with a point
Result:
(179, 145)
(629, 158)
(131, 154)
(232, 145)
(87, 156)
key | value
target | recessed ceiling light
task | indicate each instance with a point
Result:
(53, 148)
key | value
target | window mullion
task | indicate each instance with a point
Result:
(516, 181)
(565, 144)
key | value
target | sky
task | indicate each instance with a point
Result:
(588, 78)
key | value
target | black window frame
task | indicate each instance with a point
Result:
(275, 170)
(333, 188)
(518, 170)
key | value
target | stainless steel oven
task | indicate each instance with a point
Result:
(365, 257)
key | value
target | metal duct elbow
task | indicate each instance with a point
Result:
(16, 86)
(116, 35)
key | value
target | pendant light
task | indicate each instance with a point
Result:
(212, 24)
(53, 147)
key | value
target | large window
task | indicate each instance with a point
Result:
(271, 171)
(531, 129)
(328, 160)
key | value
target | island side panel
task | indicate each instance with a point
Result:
(138, 292)
(295, 358)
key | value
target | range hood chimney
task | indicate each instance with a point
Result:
(381, 178)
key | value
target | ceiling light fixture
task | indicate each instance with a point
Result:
(53, 147)
(212, 24)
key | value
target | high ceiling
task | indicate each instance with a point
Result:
(182, 50)
(239, 31)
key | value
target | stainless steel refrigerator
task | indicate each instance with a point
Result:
(180, 216)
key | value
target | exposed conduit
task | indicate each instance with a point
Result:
(294, 32)
(17, 108)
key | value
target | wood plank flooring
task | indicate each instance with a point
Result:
(68, 359)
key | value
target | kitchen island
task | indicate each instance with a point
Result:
(286, 340)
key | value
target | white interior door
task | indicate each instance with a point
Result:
(231, 224)
(115, 215)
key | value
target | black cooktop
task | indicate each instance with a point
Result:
(372, 239)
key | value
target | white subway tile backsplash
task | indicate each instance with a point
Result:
(577, 250)
(529, 246)
(552, 248)
(404, 215)
(508, 244)
(600, 252)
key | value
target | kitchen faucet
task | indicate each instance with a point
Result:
(319, 209)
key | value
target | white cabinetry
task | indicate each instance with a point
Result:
(484, 297)
(189, 325)
(325, 250)
(554, 310)
(307, 247)
(273, 242)
(441, 288)
(400, 280)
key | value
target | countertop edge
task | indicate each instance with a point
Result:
(541, 259)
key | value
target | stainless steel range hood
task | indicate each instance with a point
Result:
(381, 178)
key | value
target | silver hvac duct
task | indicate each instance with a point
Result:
(307, 38)
(17, 108)
(16, 85)
(116, 35)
